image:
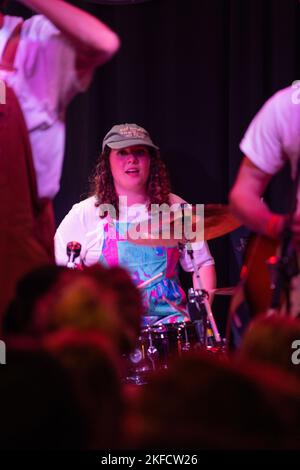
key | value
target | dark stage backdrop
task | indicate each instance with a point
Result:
(194, 73)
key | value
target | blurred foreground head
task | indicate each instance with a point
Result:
(93, 367)
(103, 299)
(62, 394)
(205, 403)
(40, 409)
(54, 297)
(269, 340)
(18, 318)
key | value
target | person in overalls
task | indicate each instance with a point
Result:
(130, 178)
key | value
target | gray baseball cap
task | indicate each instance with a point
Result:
(126, 135)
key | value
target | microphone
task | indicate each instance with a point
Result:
(73, 251)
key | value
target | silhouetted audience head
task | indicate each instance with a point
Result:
(94, 367)
(18, 318)
(270, 340)
(98, 298)
(128, 302)
(205, 403)
(39, 407)
(62, 392)
(54, 297)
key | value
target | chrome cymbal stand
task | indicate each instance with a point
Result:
(202, 300)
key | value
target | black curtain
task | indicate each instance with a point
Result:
(194, 73)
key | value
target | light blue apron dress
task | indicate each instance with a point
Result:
(143, 263)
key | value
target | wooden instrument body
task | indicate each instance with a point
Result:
(256, 273)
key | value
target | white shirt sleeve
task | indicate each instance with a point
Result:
(83, 225)
(265, 138)
(202, 256)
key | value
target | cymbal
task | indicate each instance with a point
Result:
(218, 221)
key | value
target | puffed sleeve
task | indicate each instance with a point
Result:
(202, 256)
(83, 225)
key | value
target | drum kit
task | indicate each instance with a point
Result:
(160, 342)
(265, 283)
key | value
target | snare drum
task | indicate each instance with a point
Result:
(157, 345)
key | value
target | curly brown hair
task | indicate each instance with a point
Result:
(102, 183)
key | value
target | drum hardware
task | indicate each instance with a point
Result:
(163, 341)
(139, 360)
(197, 314)
(152, 351)
(202, 300)
(160, 343)
(186, 345)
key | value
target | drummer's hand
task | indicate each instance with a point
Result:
(79, 267)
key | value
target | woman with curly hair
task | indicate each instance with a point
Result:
(129, 179)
